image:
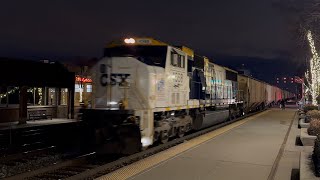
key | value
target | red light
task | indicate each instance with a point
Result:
(277, 78)
(84, 80)
(284, 78)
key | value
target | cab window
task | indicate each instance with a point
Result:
(177, 60)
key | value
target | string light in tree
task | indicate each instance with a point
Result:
(40, 96)
(313, 76)
(8, 93)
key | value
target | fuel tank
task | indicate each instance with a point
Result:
(210, 118)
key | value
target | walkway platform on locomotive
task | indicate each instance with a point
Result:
(36, 123)
(258, 147)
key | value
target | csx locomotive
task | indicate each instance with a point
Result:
(147, 91)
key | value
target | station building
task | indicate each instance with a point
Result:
(42, 89)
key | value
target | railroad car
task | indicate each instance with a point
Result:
(270, 95)
(258, 94)
(254, 92)
(147, 91)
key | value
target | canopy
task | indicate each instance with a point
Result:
(19, 72)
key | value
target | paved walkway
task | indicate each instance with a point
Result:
(251, 150)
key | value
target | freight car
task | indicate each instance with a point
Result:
(258, 94)
(147, 91)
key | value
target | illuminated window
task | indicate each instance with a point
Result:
(77, 88)
(52, 96)
(39, 96)
(89, 88)
(64, 96)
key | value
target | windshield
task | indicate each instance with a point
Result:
(150, 55)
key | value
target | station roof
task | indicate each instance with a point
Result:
(19, 72)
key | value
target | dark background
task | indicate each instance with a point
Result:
(247, 33)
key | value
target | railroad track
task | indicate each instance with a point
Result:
(13, 164)
(23, 163)
(26, 154)
(18, 141)
(19, 149)
(64, 169)
(90, 166)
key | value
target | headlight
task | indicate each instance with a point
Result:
(113, 103)
(129, 41)
(146, 141)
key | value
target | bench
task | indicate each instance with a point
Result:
(39, 114)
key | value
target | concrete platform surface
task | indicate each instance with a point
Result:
(15, 125)
(250, 150)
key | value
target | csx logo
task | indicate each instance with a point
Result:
(114, 79)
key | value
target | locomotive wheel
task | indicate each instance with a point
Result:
(156, 136)
(164, 138)
(230, 117)
(233, 115)
(181, 132)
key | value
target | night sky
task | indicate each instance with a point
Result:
(55, 29)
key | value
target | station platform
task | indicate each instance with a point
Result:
(260, 147)
(35, 123)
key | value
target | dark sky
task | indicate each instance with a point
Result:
(47, 29)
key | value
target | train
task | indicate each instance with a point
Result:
(147, 91)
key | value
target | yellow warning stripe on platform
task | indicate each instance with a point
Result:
(149, 162)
